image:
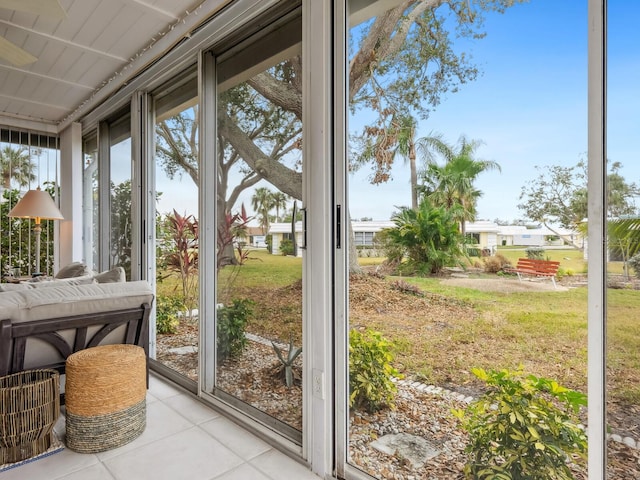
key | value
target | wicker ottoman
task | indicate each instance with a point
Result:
(105, 397)
(29, 408)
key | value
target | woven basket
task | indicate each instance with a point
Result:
(105, 397)
(29, 408)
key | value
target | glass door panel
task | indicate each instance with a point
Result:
(90, 210)
(259, 228)
(623, 266)
(445, 170)
(120, 194)
(176, 185)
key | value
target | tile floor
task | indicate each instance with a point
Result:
(183, 439)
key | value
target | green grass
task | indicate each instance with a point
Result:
(547, 331)
(544, 331)
(261, 269)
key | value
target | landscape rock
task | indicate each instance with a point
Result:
(416, 450)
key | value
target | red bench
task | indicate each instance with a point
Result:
(535, 268)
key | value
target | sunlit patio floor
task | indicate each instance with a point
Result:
(184, 439)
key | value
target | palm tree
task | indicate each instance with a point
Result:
(262, 202)
(451, 185)
(279, 200)
(404, 130)
(16, 164)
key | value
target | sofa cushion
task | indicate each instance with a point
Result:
(65, 300)
(12, 287)
(86, 279)
(74, 269)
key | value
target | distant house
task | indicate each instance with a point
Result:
(364, 232)
(521, 235)
(283, 231)
(482, 233)
(256, 237)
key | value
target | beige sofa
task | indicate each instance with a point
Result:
(42, 323)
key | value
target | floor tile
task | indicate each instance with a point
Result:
(94, 472)
(278, 466)
(161, 389)
(191, 408)
(243, 472)
(236, 438)
(183, 439)
(55, 466)
(162, 422)
(191, 454)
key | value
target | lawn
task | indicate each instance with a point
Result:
(546, 331)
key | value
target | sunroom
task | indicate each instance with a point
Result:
(166, 129)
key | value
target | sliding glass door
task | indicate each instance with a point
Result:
(177, 181)
(259, 226)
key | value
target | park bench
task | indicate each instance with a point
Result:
(535, 268)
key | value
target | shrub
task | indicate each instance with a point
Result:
(535, 253)
(286, 247)
(370, 371)
(167, 310)
(523, 428)
(495, 264)
(231, 324)
(635, 264)
(428, 237)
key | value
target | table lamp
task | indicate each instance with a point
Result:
(38, 205)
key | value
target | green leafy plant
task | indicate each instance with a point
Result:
(535, 253)
(429, 238)
(285, 368)
(286, 247)
(167, 311)
(231, 324)
(371, 374)
(523, 428)
(181, 257)
(634, 262)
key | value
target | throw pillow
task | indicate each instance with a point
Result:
(114, 275)
(75, 269)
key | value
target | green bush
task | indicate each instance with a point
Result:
(635, 264)
(428, 237)
(286, 247)
(523, 428)
(370, 371)
(535, 253)
(231, 324)
(167, 310)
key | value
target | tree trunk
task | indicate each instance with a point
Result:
(414, 176)
(568, 240)
(354, 266)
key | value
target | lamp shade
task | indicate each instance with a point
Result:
(36, 204)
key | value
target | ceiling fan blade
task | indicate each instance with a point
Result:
(14, 54)
(46, 8)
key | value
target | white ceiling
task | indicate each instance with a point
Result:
(100, 41)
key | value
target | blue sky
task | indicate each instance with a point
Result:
(530, 105)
